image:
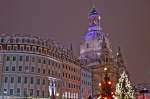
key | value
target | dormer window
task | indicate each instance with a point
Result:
(17, 40)
(87, 45)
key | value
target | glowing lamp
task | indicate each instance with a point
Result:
(105, 68)
(113, 96)
(57, 94)
(112, 93)
(105, 97)
(99, 97)
(109, 82)
(100, 84)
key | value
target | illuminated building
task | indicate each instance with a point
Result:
(32, 67)
(96, 52)
(86, 83)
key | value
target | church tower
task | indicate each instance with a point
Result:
(92, 40)
(96, 51)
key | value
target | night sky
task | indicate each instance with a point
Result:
(127, 22)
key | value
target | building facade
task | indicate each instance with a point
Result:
(96, 52)
(37, 68)
(86, 83)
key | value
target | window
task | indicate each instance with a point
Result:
(13, 68)
(43, 93)
(21, 47)
(12, 80)
(38, 70)
(9, 47)
(2, 40)
(39, 60)
(18, 91)
(31, 92)
(49, 72)
(20, 68)
(37, 92)
(23, 40)
(8, 58)
(33, 59)
(28, 48)
(7, 68)
(38, 81)
(27, 58)
(14, 58)
(25, 92)
(15, 47)
(44, 61)
(11, 91)
(5, 91)
(43, 71)
(34, 49)
(26, 68)
(43, 82)
(87, 45)
(17, 40)
(32, 69)
(49, 62)
(25, 80)
(19, 79)
(32, 81)
(6, 79)
(20, 58)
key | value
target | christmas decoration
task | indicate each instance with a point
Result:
(106, 90)
(124, 89)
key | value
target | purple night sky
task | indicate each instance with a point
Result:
(127, 22)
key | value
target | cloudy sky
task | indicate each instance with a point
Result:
(127, 22)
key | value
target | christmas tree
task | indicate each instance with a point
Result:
(124, 89)
(106, 90)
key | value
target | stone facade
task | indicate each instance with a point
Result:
(32, 67)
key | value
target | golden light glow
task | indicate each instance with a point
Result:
(109, 82)
(100, 84)
(57, 94)
(105, 68)
(105, 97)
(99, 97)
